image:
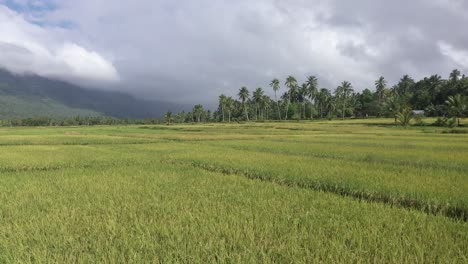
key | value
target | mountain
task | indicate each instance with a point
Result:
(33, 96)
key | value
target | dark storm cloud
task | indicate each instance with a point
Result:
(190, 51)
(413, 28)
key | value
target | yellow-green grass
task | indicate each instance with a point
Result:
(173, 213)
(238, 193)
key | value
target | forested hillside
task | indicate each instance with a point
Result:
(32, 96)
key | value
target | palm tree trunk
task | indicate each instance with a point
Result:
(277, 104)
(246, 113)
(256, 112)
(222, 110)
(303, 110)
(343, 111)
(279, 110)
(311, 110)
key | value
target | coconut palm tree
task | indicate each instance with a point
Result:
(455, 75)
(380, 85)
(435, 85)
(275, 84)
(404, 85)
(266, 101)
(291, 83)
(394, 105)
(302, 95)
(257, 97)
(244, 96)
(222, 104)
(342, 93)
(405, 116)
(181, 117)
(330, 105)
(457, 105)
(168, 118)
(229, 107)
(322, 98)
(198, 111)
(312, 84)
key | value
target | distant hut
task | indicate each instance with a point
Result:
(418, 112)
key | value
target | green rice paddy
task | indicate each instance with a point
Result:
(298, 192)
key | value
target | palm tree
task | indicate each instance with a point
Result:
(457, 105)
(394, 105)
(244, 96)
(168, 117)
(322, 98)
(380, 85)
(330, 105)
(198, 111)
(312, 84)
(404, 86)
(454, 75)
(229, 107)
(291, 83)
(257, 97)
(275, 84)
(404, 116)
(435, 85)
(303, 92)
(266, 106)
(222, 104)
(342, 93)
(181, 117)
(207, 116)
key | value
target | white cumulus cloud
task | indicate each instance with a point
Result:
(27, 47)
(457, 55)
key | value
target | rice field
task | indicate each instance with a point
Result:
(360, 191)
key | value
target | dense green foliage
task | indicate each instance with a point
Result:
(432, 96)
(302, 192)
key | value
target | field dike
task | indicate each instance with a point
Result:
(66, 166)
(454, 212)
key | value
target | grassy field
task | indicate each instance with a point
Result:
(298, 192)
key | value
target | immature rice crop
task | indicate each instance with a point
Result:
(352, 191)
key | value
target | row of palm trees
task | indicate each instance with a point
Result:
(438, 97)
(308, 89)
(307, 93)
(343, 100)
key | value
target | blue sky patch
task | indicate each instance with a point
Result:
(29, 6)
(35, 11)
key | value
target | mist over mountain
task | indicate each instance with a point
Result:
(30, 95)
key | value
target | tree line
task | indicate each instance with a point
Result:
(78, 121)
(432, 96)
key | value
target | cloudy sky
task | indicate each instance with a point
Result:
(190, 51)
